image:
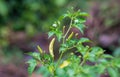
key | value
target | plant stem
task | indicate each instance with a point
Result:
(67, 30)
(59, 60)
(83, 62)
(72, 47)
(84, 58)
(63, 34)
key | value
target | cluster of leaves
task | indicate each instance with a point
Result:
(91, 61)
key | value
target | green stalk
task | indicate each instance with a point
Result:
(84, 58)
(58, 62)
(64, 36)
(67, 30)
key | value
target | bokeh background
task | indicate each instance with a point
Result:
(25, 23)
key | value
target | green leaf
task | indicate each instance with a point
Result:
(83, 49)
(107, 56)
(57, 32)
(80, 47)
(50, 34)
(63, 48)
(84, 14)
(112, 72)
(98, 69)
(84, 40)
(32, 64)
(71, 43)
(71, 72)
(81, 27)
(60, 72)
(82, 20)
(59, 35)
(44, 71)
(103, 61)
(97, 50)
(67, 45)
(47, 58)
(117, 52)
(116, 62)
(62, 17)
(96, 53)
(35, 55)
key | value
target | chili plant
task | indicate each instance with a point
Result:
(91, 61)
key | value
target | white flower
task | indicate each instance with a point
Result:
(76, 21)
(54, 25)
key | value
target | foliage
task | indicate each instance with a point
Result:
(92, 62)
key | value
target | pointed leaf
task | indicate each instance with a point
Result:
(32, 64)
(81, 27)
(59, 35)
(35, 55)
(84, 14)
(112, 72)
(84, 40)
(50, 34)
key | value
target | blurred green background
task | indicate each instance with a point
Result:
(24, 24)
